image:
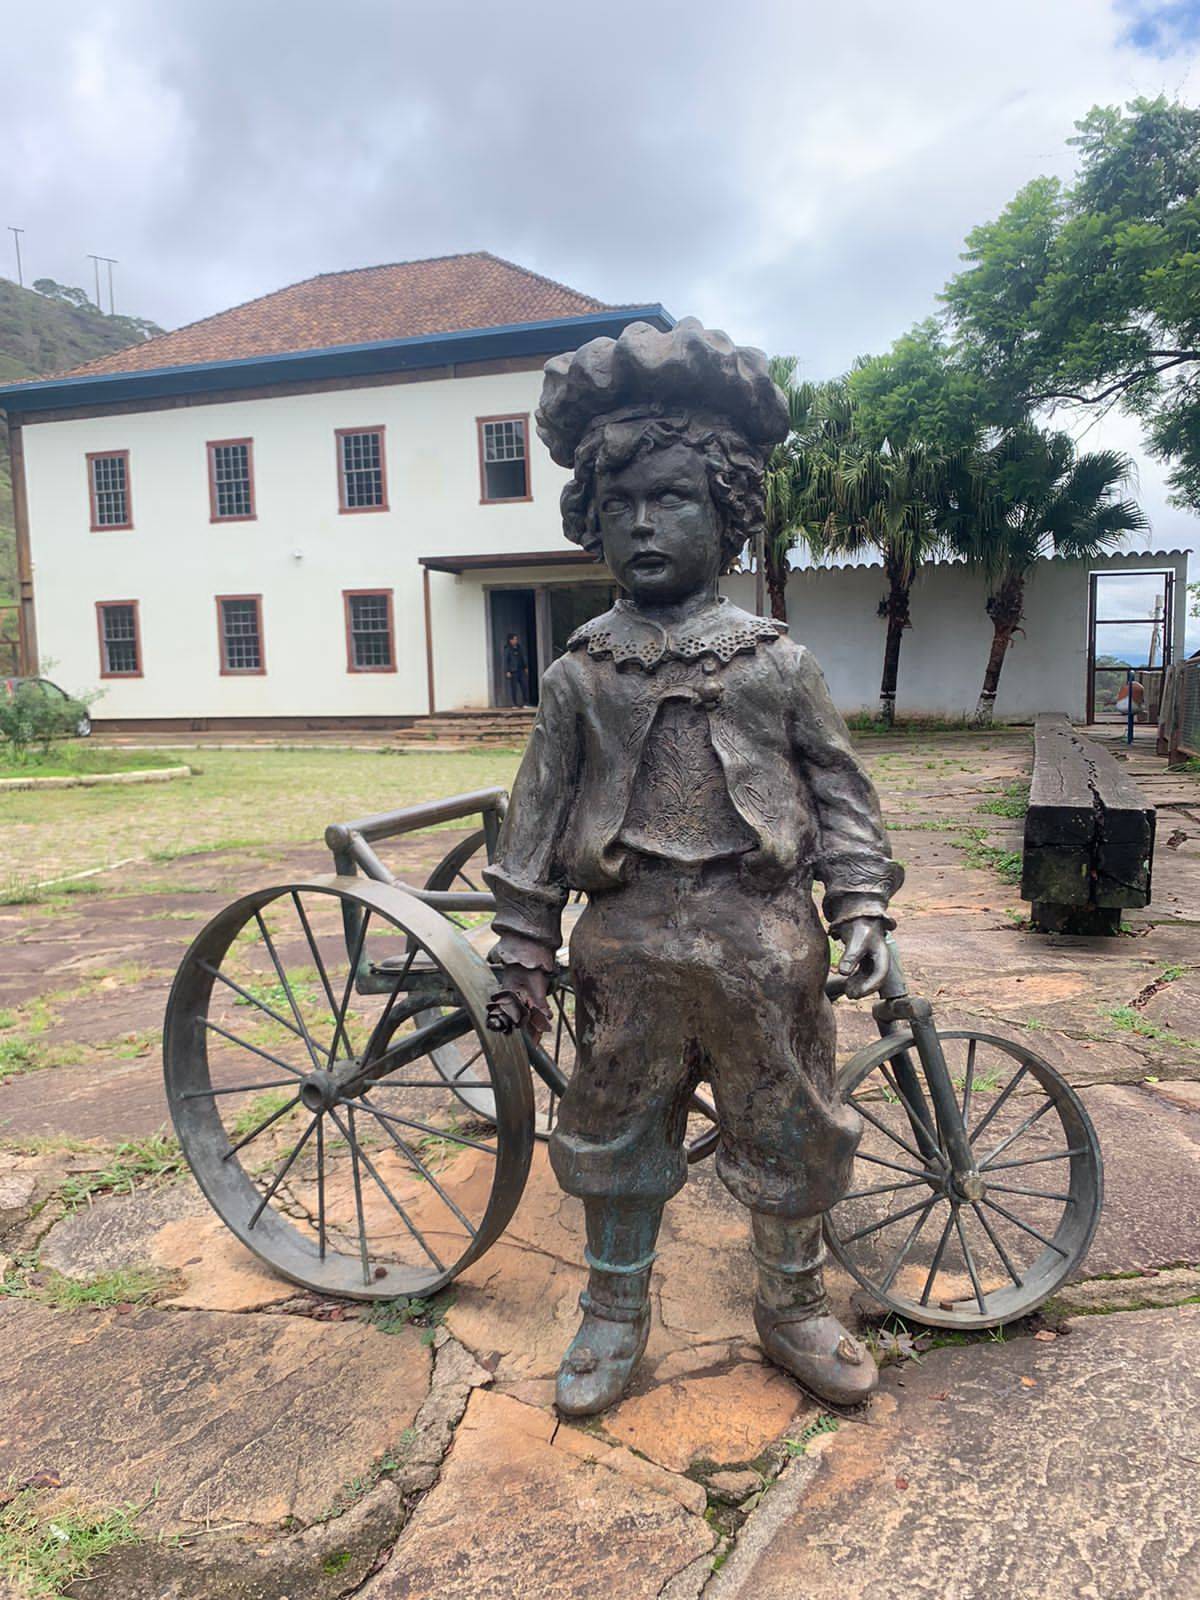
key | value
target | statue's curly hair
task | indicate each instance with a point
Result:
(735, 473)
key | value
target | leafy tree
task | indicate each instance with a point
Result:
(798, 478)
(1090, 294)
(61, 291)
(1027, 496)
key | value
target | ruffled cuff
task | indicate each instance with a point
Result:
(519, 950)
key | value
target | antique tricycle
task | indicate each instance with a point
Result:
(350, 1116)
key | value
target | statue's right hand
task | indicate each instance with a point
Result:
(521, 1001)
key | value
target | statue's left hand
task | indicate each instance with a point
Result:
(865, 958)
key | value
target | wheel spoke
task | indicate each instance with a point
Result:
(415, 1159)
(1012, 1138)
(245, 1044)
(937, 1258)
(237, 1088)
(969, 1083)
(473, 887)
(874, 1227)
(438, 1133)
(914, 1113)
(895, 1166)
(359, 1154)
(339, 1031)
(1038, 1194)
(1028, 1227)
(291, 1027)
(910, 1240)
(284, 1170)
(1034, 1161)
(882, 1188)
(321, 1186)
(433, 1036)
(1000, 1100)
(884, 1129)
(970, 1261)
(409, 1009)
(996, 1245)
(316, 953)
(262, 1127)
(287, 989)
(347, 1131)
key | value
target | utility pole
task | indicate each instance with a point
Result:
(16, 233)
(1155, 633)
(112, 262)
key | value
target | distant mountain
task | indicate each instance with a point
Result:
(41, 333)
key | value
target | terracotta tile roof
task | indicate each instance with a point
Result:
(399, 301)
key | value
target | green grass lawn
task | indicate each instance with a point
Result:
(81, 759)
(236, 797)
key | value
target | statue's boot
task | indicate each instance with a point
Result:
(616, 1307)
(796, 1327)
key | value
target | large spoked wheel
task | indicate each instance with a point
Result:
(301, 1077)
(950, 1255)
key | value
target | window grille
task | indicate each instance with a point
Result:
(119, 641)
(110, 490)
(370, 632)
(231, 479)
(505, 464)
(363, 481)
(241, 635)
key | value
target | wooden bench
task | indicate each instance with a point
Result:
(1089, 834)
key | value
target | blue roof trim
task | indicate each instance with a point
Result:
(335, 361)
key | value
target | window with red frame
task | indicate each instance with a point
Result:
(108, 489)
(369, 631)
(120, 644)
(240, 619)
(231, 480)
(504, 462)
(362, 470)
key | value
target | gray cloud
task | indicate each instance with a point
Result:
(801, 175)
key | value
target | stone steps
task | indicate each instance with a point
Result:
(499, 726)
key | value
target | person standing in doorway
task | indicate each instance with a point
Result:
(515, 671)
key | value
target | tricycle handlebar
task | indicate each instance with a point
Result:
(386, 824)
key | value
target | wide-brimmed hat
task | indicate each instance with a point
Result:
(646, 372)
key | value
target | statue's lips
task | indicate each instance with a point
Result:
(648, 562)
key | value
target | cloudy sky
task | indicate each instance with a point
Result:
(802, 174)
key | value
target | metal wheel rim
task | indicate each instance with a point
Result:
(1076, 1226)
(204, 1140)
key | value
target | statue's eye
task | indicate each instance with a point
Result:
(669, 498)
(614, 505)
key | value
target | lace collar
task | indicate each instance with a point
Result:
(627, 634)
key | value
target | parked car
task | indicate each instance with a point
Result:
(9, 686)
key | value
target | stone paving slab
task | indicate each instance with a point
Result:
(208, 1419)
(520, 1512)
(1058, 1470)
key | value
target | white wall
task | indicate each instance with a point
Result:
(834, 612)
(175, 561)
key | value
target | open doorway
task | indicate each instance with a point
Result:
(1129, 630)
(513, 612)
(543, 618)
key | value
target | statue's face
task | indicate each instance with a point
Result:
(660, 529)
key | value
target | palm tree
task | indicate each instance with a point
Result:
(1028, 496)
(784, 482)
(888, 501)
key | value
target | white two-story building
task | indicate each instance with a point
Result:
(329, 505)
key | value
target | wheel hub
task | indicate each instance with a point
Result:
(319, 1091)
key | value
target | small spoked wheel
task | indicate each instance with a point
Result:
(977, 1252)
(336, 1090)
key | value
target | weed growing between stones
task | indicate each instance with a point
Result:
(390, 1316)
(130, 1286)
(1006, 864)
(1014, 802)
(41, 1552)
(824, 1422)
(136, 1162)
(1133, 1022)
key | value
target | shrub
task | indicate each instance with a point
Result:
(29, 717)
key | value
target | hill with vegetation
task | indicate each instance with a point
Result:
(43, 331)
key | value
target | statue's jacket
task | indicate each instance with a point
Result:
(790, 772)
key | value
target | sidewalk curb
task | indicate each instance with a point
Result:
(92, 780)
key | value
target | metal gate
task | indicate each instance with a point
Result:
(1119, 644)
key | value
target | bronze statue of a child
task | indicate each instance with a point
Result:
(688, 770)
